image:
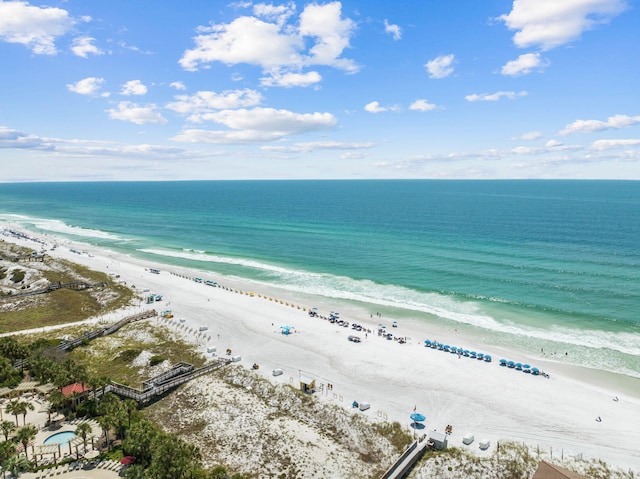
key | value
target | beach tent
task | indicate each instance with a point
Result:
(547, 470)
(467, 438)
(484, 444)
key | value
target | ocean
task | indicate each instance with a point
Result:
(530, 264)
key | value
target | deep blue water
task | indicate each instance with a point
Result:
(543, 263)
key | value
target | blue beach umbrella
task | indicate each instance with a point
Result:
(511, 364)
(480, 355)
(417, 417)
(503, 362)
(472, 354)
(518, 365)
(460, 350)
(535, 370)
(427, 342)
(526, 366)
(466, 352)
(487, 358)
(417, 425)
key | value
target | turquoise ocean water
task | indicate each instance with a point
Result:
(523, 264)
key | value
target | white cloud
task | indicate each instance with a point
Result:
(591, 126)
(87, 86)
(422, 105)
(178, 85)
(511, 95)
(133, 87)
(531, 135)
(291, 79)
(394, 30)
(611, 144)
(523, 65)
(83, 46)
(306, 147)
(34, 27)
(275, 13)
(198, 105)
(375, 107)
(16, 139)
(257, 124)
(440, 67)
(318, 38)
(553, 144)
(550, 23)
(140, 115)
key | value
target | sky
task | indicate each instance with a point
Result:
(354, 89)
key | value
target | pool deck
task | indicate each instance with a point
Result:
(100, 470)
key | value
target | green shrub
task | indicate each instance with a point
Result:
(156, 360)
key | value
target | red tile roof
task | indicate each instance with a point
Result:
(74, 388)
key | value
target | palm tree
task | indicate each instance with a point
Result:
(83, 429)
(14, 408)
(16, 464)
(56, 398)
(26, 407)
(130, 406)
(7, 428)
(25, 435)
(7, 451)
(106, 422)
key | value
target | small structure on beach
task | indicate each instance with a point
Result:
(546, 470)
(307, 384)
(437, 440)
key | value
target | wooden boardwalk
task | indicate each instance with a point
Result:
(405, 463)
(78, 286)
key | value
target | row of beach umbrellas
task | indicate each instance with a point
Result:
(519, 367)
(456, 350)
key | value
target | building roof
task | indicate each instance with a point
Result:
(547, 470)
(76, 388)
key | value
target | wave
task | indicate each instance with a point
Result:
(449, 307)
(57, 226)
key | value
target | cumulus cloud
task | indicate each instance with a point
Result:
(531, 135)
(16, 139)
(87, 86)
(523, 65)
(140, 115)
(133, 87)
(276, 42)
(422, 105)
(591, 126)
(440, 67)
(291, 79)
(200, 104)
(257, 124)
(178, 85)
(394, 30)
(611, 144)
(83, 46)
(550, 23)
(374, 107)
(37, 28)
(278, 14)
(511, 95)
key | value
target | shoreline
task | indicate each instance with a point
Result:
(473, 396)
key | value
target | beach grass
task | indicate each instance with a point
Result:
(57, 307)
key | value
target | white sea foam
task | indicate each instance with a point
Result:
(57, 226)
(442, 306)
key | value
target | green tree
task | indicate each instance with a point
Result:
(25, 408)
(106, 423)
(84, 429)
(14, 408)
(139, 441)
(7, 428)
(24, 435)
(174, 459)
(56, 398)
(17, 464)
(131, 408)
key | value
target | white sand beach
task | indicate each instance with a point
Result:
(558, 414)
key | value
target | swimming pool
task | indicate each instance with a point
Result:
(60, 437)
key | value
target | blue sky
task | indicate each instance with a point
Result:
(168, 90)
